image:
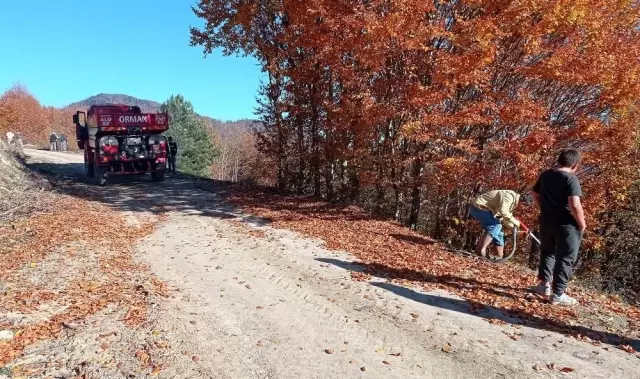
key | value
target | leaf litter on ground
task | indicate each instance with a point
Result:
(389, 250)
(72, 230)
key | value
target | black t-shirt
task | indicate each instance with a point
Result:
(555, 187)
(173, 148)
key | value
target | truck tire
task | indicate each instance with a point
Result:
(100, 176)
(157, 176)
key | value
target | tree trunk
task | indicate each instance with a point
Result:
(282, 158)
(399, 204)
(315, 142)
(301, 156)
(343, 178)
(354, 183)
(379, 191)
(414, 214)
(329, 176)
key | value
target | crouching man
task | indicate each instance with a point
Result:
(491, 209)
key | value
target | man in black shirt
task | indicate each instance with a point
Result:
(173, 152)
(557, 194)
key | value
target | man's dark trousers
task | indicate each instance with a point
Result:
(559, 248)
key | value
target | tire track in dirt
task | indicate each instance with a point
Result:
(283, 327)
(286, 314)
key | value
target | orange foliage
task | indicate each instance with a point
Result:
(20, 112)
(388, 250)
(438, 101)
(110, 277)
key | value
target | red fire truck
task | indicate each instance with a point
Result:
(121, 140)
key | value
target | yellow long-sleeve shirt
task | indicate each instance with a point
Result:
(501, 204)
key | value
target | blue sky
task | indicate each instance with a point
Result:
(67, 50)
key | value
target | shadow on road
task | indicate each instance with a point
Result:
(138, 193)
(186, 195)
(471, 307)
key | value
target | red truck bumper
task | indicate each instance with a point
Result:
(120, 173)
(135, 166)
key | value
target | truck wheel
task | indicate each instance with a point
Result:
(157, 176)
(100, 175)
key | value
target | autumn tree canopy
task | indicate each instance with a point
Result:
(20, 112)
(412, 107)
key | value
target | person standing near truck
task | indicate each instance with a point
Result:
(62, 144)
(557, 194)
(173, 153)
(53, 142)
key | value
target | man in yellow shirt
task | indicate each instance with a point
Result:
(492, 209)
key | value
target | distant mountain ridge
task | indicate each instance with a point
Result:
(150, 106)
(108, 98)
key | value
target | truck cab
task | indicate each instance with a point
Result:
(121, 140)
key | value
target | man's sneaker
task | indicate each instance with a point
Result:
(541, 289)
(563, 299)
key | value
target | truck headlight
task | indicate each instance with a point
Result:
(153, 140)
(108, 141)
(109, 144)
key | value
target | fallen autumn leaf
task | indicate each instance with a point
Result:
(628, 348)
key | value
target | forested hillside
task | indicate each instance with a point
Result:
(333, 236)
(411, 108)
(106, 98)
(20, 111)
(223, 127)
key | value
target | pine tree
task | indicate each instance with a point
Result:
(196, 151)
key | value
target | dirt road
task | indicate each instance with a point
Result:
(251, 301)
